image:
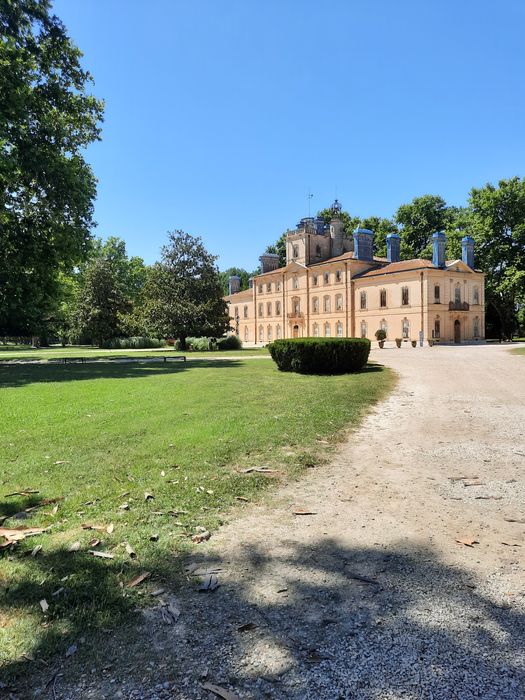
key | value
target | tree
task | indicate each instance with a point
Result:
(279, 248)
(100, 303)
(381, 228)
(183, 295)
(497, 224)
(240, 272)
(419, 220)
(130, 273)
(46, 187)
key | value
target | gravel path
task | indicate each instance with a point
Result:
(371, 597)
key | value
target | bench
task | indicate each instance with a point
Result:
(118, 358)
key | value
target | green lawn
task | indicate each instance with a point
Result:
(99, 436)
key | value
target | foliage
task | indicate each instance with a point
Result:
(380, 334)
(381, 228)
(46, 188)
(100, 303)
(230, 342)
(279, 248)
(320, 355)
(240, 272)
(135, 343)
(418, 221)
(183, 294)
(201, 344)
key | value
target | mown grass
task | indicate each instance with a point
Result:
(99, 436)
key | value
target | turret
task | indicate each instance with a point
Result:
(393, 245)
(364, 244)
(467, 251)
(438, 248)
(336, 230)
(234, 284)
(269, 262)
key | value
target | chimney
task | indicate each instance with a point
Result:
(467, 251)
(269, 262)
(438, 248)
(234, 284)
(250, 283)
(393, 244)
(364, 244)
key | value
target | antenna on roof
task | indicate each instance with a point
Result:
(309, 198)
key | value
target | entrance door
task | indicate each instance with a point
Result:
(295, 331)
(457, 332)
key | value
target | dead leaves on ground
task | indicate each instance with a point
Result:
(467, 541)
(16, 534)
(303, 511)
(138, 579)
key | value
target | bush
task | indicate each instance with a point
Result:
(201, 344)
(230, 342)
(320, 355)
(380, 334)
(135, 343)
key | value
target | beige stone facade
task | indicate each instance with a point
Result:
(353, 294)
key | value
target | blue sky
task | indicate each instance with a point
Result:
(221, 114)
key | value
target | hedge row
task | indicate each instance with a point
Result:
(320, 355)
(135, 342)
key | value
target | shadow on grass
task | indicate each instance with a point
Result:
(16, 375)
(325, 621)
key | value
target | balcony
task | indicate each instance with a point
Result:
(458, 306)
(295, 315)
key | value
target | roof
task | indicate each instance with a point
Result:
(402, 266)
(239, 296)
(346, 256)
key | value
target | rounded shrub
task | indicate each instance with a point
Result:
(320, 355)
(229, 342)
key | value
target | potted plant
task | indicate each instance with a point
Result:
(430, 342)
(380, 335)
(398, 342)
(414, 343)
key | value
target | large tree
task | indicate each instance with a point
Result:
(418, 220)
(183, 295)
(47, 189)
(243, 274)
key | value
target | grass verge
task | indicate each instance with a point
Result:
(100, 438)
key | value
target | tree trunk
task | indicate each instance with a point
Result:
(182, 342)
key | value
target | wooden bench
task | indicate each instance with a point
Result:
(116, 358)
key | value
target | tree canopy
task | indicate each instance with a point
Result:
(47, 189)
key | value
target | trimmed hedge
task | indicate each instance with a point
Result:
(320, 355)
(230, 342)
(135, 342)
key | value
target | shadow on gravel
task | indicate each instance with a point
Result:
(321, 622)
(17, 375)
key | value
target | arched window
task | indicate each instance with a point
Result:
(382, 298)
(436, 333)
(475, 295)
(295, 282)
(268, 286)
(363, 300)
(269, 333)
(327, 331)
(277, 286)
(278, 331)
(457, 293)
(260, 288)
(338, 276)
(404, 296)
(277, 308)
(245, 312)
(296, 305)
(405, 328)
(327, 278)
(437, 294)
(339, 302)
(326, 304)
(315, 305)
(246, 333)
(296, 251)
(261, 334)
(316, 330)
(363, 329)
(318, 251)
(315, 280)
(269, 308)
(339, 329)
(384, 326)
(261, 310)
(476, 327)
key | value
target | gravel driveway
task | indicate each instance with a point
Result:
(372, 596)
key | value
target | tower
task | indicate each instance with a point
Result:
(439, 241)
(393, 246)
(364, 244)
(467, 251)
(336, 230)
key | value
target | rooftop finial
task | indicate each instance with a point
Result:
(336, 207)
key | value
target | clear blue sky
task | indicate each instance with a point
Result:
(221, 114)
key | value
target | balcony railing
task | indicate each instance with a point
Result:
(295, 314)
(458, 306)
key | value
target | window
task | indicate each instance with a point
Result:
(261, 309)
(295, 251)
(475, 296)
(278, 331)
(296, 306)
(245, 312)
(404, 296)
(382, 298)
(327, 332)
(339, 302)
(260, 289)
(269, 308)
(436, 333)
(277, 308)
(405, 328)
(316, 330)
(315, 280)
(457, 294)
(437, 294)
(476, 327)
(295, 283)
(268, 286)
(245, 333)
(236, 313)
(277, 286)
(261, 334)
(338, 276)
(363, 329)
(326, 304)
(327, 278)
(363, 300)
(269, 333)
(339, 329)
(318, 251)
(384, 326)
(315, 305)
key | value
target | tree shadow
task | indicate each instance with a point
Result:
(317, 621)
(17, 375)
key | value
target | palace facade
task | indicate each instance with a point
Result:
(333, 286)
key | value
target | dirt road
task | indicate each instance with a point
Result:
(372, 596)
